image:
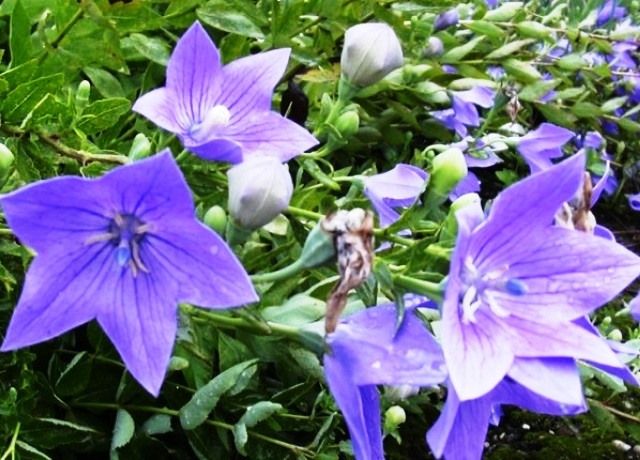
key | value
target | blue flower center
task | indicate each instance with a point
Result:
(126, 233)
(478, 289)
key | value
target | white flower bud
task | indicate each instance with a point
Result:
(259, 189)
(370, 52)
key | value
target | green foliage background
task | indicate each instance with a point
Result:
(237, 387)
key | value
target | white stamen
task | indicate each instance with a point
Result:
(217, 116)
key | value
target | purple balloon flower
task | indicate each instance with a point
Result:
(609, 10)
(366, 351)
(464, 112)
(397, 188)
(634, 201)
(223, 113)
(460, 431)
(123, 249)
(516, 283)
(448, 18)
(538, 147)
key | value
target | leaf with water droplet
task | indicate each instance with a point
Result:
(254, 414)
(196, 411)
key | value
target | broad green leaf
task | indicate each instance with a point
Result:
(586, 110)
(20, 35)
(523, 71)
(103, 114)
(533, 29)
(226, 18)
(153, 48)
(556, 115)
(485, 28)
(535, 91)
(573, 61)
(105, 83)
(123, 431)
(157, 424)
(509, 48)
(196, 411)
(253, 415)
(459, 52)
(22, 100)
(298, 310)
(504, 12)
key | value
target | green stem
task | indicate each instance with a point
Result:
(64, 150)
(284, 273)
(428, 288)
(175, 413)
(312, 168)
(304, 213)
(11, 450)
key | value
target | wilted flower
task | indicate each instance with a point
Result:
(370, 52)
(517, 283)
(538, 147)
(397, 188)
(365, 351)
(446, 19)
(259, 189)
(223, 113)
(123, 249)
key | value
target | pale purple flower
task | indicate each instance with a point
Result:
(223, 113)
(123, 249)
(610, 9)
(491, 4)
(397, 188)
(622, 56)
(634, 201)
(463, 112)
(365, 351)
(562, 47)
(634, 306)
(477, 155)
(448, 18)
(496, 72)
(516, 283)
(434, 47)
(549, 95)
(538, 147)
(548, 386)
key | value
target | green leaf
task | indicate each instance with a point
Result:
(103, 114)
(573, 61)
(231, 351)
(298, 310)
(66, 424)
(613, 104)
(509, 48)
(485, 28)
(153, 48)
(105, 83)
(26, 96)
(535, 91)
(225, 17)
(20, 35)
(254, 414)
(523, 71)
(533, 29)
(586, 110)
(196, 411)
(459, 52)
(32, 450)
(123, 431)
(504, 12)
(555, 114)
(75, 377)
(629, 125)
(157, 424)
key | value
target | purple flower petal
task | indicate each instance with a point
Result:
(601, 184)
(634, 305)
(469, 184)
(557, 379)
(465, 112)
(478, 95)
(609, 10)
(634, 201)
(158, 106)
(540, 146)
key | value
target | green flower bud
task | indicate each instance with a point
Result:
(448, 168)
(82, 95)
(318, 248)
(347, 124)
(615, 335)
(6, 163)
(450, 225)
(216, 218)
(140, 147)
(394, 417)
(259, 189)
(370, 52)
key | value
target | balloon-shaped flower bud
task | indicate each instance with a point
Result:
(434, 47)
(82, 95)
(348, 123)
(6, 163)
(370, 52)
(216, 219)
(394, 417)
(140, 147)
(448, 168)
(259, 189)
(446, 19)
(319, 247)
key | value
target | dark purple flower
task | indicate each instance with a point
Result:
(609, 10)
(548, 386)
(446, 19)
(397, 188)
(223, 113)
(538, 147)
(516, 283)
(634, 201)
(365, 351)
(123, 249)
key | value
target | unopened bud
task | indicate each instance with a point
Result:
(216, 219)
(448, 168)
(82, 95)
(140, 147)
(434, 47)
(318, 248)
(348, 123)
(615, 335)
(6, 163)
(394, 417)
(370, 52)
(259, 189)
(446, 19)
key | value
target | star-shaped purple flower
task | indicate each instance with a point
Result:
(517, 283)
(367, 351)
(541, 145)
(397, 188)
(463, 111)
(123, 249)
(223, 113)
